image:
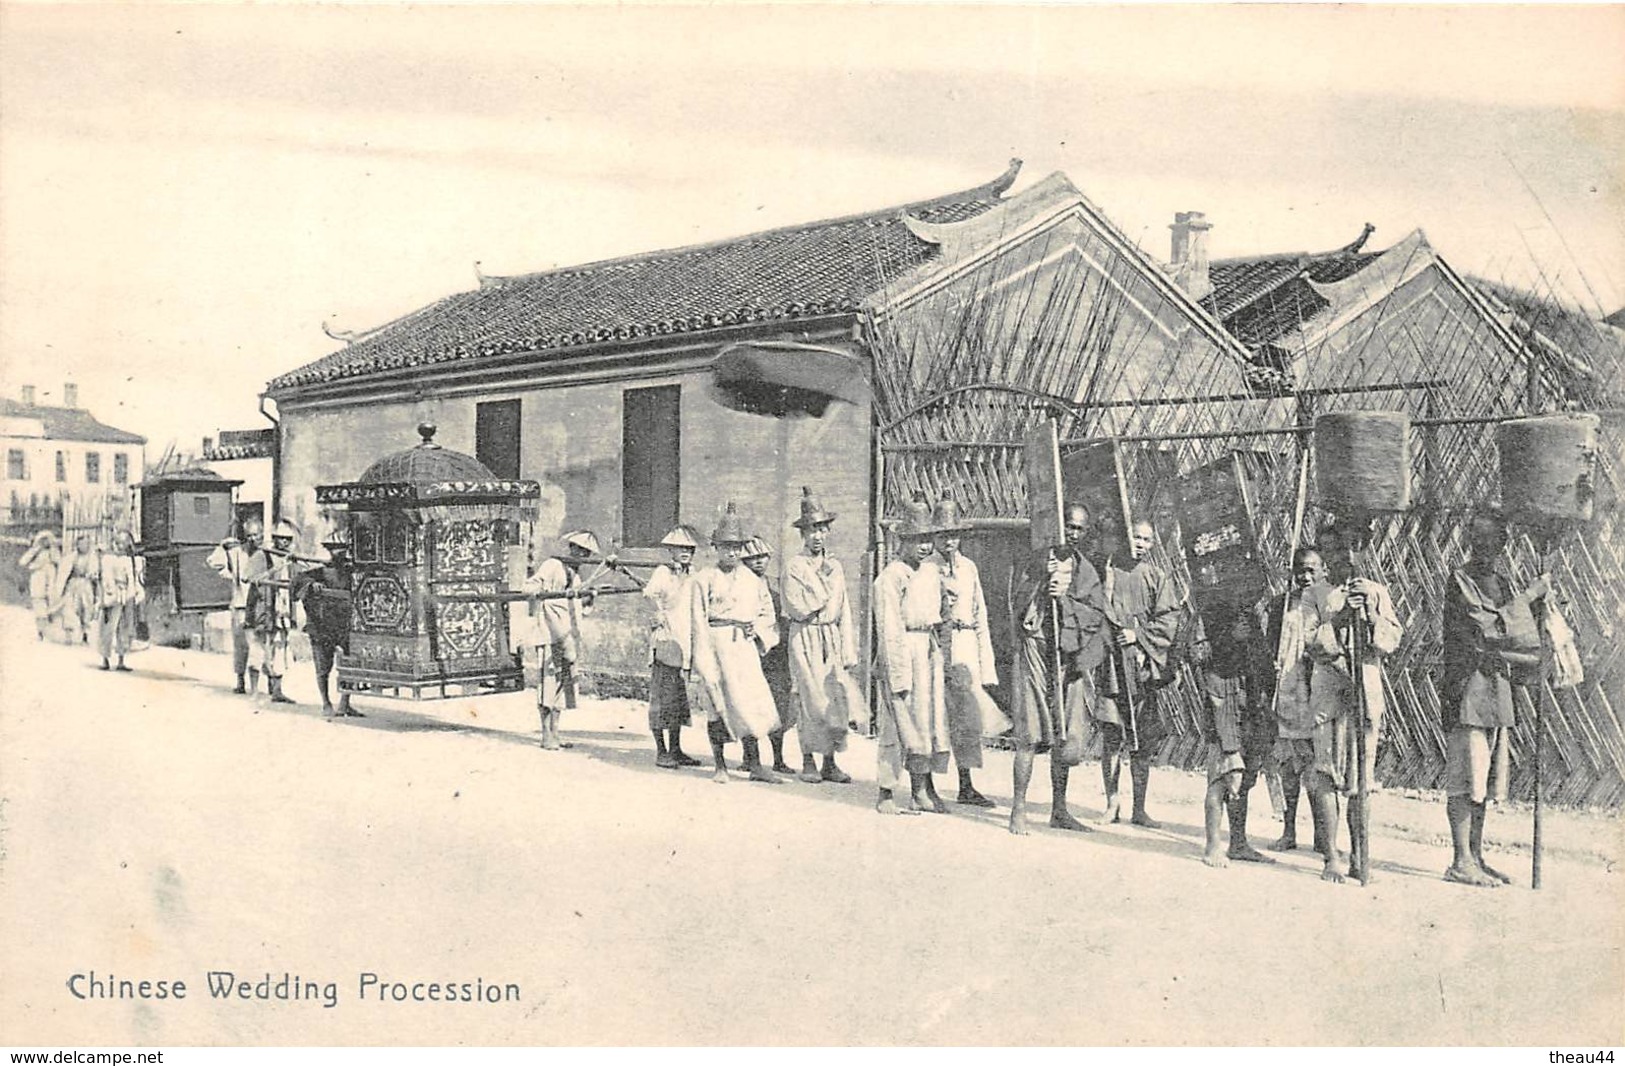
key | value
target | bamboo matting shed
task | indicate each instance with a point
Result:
(1041, 309)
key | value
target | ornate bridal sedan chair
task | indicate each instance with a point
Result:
(425, 524)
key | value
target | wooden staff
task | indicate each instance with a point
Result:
(1538, 698)
(1127, 696)
(1540, 742)
(1355, 649)
(1362, 795)
(1057, 686)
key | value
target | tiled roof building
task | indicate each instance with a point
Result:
(1261, 300)
(69, 423)
(808, 270)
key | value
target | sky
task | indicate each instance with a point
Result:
(187, 192)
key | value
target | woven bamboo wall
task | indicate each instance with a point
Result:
(962, 375)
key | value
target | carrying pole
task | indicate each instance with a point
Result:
(1540, 743)
(1538, 697)
(1362, 795)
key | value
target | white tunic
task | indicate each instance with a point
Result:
(823, 651)
(732, 625)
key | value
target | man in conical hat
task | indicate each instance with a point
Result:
(823, 643)
(671, 647)
(912, 716)
(732, 626)
(757, 555)
(968, 645)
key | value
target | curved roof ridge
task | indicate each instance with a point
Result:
(1354, 247)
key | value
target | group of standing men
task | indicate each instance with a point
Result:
(1307, 700)
(756, 662)
(267, 583)
(87, 588)
(1094, 651)
(1292, 685)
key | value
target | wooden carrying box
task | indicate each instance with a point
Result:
(1219, 530)
(425, 522)
(184, 515)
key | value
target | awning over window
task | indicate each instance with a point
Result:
(782, 378)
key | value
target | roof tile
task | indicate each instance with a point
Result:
(70, 423)
(817, 268)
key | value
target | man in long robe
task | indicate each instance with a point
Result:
(1351, 601)
(671, 648)
(1490, 644)
(967, 642)
(732, 626)
(757, 555)
(554, 631)
(913, 717)
(1061, 625)
(1142, 609)
(823, 646)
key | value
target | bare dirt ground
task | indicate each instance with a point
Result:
(155, 826)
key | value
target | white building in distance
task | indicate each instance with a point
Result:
(58, 457)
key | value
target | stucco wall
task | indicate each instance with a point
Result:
(570, 442)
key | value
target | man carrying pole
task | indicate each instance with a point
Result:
(234, 561)
(1490, 640)
(1239, 726)
(671, 648)
(271, 608)
(324, 593)
(555, 634)
(1359, 628)
(1062, 644)
(1142, 609)
(1293, 616)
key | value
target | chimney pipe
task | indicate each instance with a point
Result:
(70, 395)
(1189, 252)
(28, 395)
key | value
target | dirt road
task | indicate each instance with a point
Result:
(156, 827)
